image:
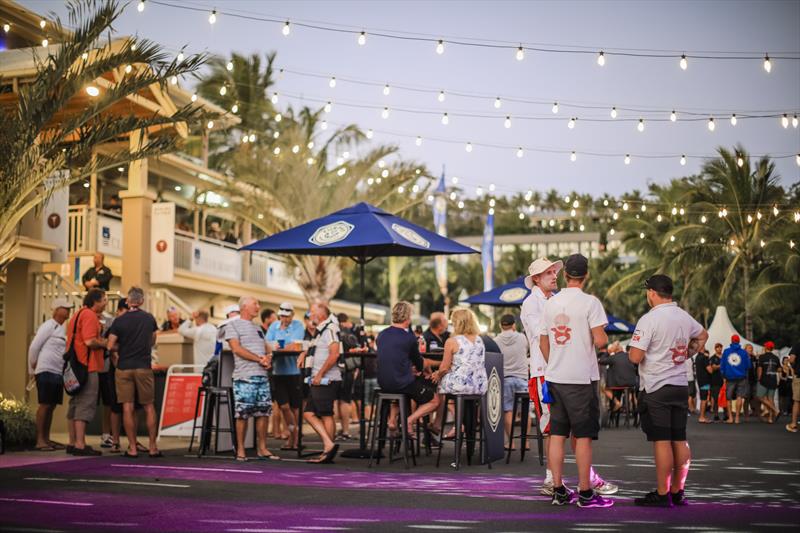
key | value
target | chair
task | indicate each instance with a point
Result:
(213, 398)
(627, 408)
(467, 408)
(522, 401)
(380, 423)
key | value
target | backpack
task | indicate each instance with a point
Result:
(75, 374)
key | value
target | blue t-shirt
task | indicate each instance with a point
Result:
(735, 362)
(397, 350)
(285, 365)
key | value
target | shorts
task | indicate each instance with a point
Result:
(370, 384)
(762, 391)
(288, 390)
(137, 384)
(83, 405)
(421, 390)
(692, 389)
(796, 389)
(345, 393)
(704, 388)
(542, 409)
(511, 386)
(321, 398)
(664, 413)
(108, 388)
(575, 410)
(736, 388)
(251, 397)
(50, 388)
(715, 390)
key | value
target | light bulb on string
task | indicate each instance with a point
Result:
(612, 231)
(759, 215)
(797, 216)
(287, 29)
(672, 238)
(454, 179)
(324, 125)
(613, 112)
(767, 64)
(640, 125)
(140, 7)
(573, 156)
(274, 98)
(673, 116)
(674, 211)
(520, 55)
(641, 235)
(92, 91)
(210, 124)
(615, 216)
(576, 204)
(440, 47)
(605, 203)
(180, 56)
(45, 42)
(491, 188)
(659, 218)
(775, 210)
(461, 204)
(684, 63)
(491, 210)
(362, 38)
(129, 68)
(418, 142)
(328, 107)
(235, 108)
(601, 58)
(740, 161)
(492, 202)
(703, 219)
(369, 133)
(681, 211)
(749, 219)
(229, 66)
(295, 149)
(644, 208)
(385, 113)
(507, 122)
(479, 191)
(194, 97)
(794, 121)
(441, 96)
(520, 152)
(453, 196)
(212, 18)
(627, 159)
(791, 244)
(571, 123)
(497, 103)
(683, 160)
(278, 117)
(522, 216)
(42, 23)
(445, 119)
(332, 82)
(386, 90)
(223, 90)
(733, 119)
(468, 147)
(785, 121)
(711, 125)
(555, 107)
(625, 206)
(702, 240)
(6, 27)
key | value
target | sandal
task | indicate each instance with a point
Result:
(59, 446)
(268, 457)
(46, 448)
(130, 455)
(155, 455)
(326, 457)
(142, 448)
(241, 459)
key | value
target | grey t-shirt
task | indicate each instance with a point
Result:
(323, 342)
(251, 338)
(514, 346)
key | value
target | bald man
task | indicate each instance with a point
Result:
(99, 276)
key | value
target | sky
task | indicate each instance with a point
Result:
(708, 87)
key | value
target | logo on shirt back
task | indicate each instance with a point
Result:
(679, 349)
(734, 359)
(562, 333)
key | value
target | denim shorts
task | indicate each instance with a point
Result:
(512, 385)
(252, 397)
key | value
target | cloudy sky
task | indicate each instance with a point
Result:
(653, 86)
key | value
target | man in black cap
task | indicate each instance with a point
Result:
(572, 326)
(664, 340)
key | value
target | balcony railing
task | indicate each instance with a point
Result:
(94, 230)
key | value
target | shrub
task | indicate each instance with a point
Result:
(18, 420)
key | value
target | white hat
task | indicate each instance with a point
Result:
(231, 309)
(285, 309)
(539, 266)
(62, 302)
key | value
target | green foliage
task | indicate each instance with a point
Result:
(18, 421)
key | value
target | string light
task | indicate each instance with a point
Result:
(785, 121)
(212, 18)
(445, 119)
(683, 160)
(45, 42)
(625, 206)
(703, 219)
(573, 156)
(129, 68)
(673, 116)
(611, 231)
(601, 59)
(672, 238)
(385, 113)
(711, 125)
(42, 23)
(418, 142)
(640, 126)
(386, 90)
(767, 64)
(287, 29)
(571, 123)
(468, 147)
(627, 159)
(454, 179)
(328, 107)
(775, 210)
(491, 188)
(441, 96)
(174, 81)
(659, 218)
(332, 82)
(681, 211)
(605, 203)
(520, 152)
(362, 39)
(740, 161)
(520, 54)
(461, 204)
(733, 119)
(295, 149)
(223, 90)
(210, 124)
(555, 107)
(491, 210)
(369, 133)
(522, 216)
(641, 235)
(274, 98)
(140, 7)
(479, 191)
(229, 66)
(759, 215)
(194, 96)
(497, 103)
(92, 91)
(674, 211)
(615, 216)
(644, 208)
(684, 63)
(507, 122)
(6, 27)
(613, 112)
(794, 121)
(180, 56)
(702, 240)
(440, 47)
(749, 219)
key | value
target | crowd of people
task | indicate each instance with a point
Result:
(557, 359)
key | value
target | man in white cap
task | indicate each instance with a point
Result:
(542, 279)
(45, 361)
(287, 384)
(231, 312)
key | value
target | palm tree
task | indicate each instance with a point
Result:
(41, 136)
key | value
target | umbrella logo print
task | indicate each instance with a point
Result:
(331, 233)
(512, 295)
(494, 395)
(410, 235)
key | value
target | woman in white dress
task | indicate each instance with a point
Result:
(462, 370)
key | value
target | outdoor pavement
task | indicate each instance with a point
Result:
(743, 478)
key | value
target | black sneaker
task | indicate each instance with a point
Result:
(654, 499)
(679, 499)
(595, 500)
(563, 496)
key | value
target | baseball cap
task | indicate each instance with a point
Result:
(62, 302)
(576, 266)
(286, 309)
(507, 320)
(735, 338)
(539, 266)
(659, 283)
(231, 309)
(769, 345)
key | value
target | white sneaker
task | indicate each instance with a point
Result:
(603, 487)
(547, 488)
(106, 441)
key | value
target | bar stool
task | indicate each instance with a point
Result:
(467, 408)
(625, 409)
(381, 409)
(522, 401)
(213, 398)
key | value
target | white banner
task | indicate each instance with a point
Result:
(162, 243)
(55, 223)
(217, 261)
(109, 236)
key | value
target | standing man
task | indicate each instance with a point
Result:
(326, 378)
(203, 334)
(287, 384)
(767, 370)
(436, 334)
(542, 279)
(734, 367)
(514, 347)
(133, 334)
(87, 333)
(251, 391)
(794, 361)
(661, 347)
(714, 363)
(572, 327)
(702, 364)
(45, 361)
(99, 276)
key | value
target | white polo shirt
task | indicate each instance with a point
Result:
(664, 334)
(531, 316)
(567, 320)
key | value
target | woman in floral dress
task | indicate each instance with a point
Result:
(462, 370)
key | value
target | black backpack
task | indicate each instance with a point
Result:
(75, 373)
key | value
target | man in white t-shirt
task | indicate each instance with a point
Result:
(572, 326)
(542, 279)
(664, 340)
(203, 334)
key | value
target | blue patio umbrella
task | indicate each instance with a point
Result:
(514, 293)
(361, 232)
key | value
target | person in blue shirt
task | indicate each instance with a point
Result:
(287, 384)
(734, 368)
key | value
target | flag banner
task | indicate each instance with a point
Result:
(440, 227)
(487, 253)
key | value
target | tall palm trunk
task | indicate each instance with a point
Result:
(748, 320)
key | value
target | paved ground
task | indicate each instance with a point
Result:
(744, 478)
